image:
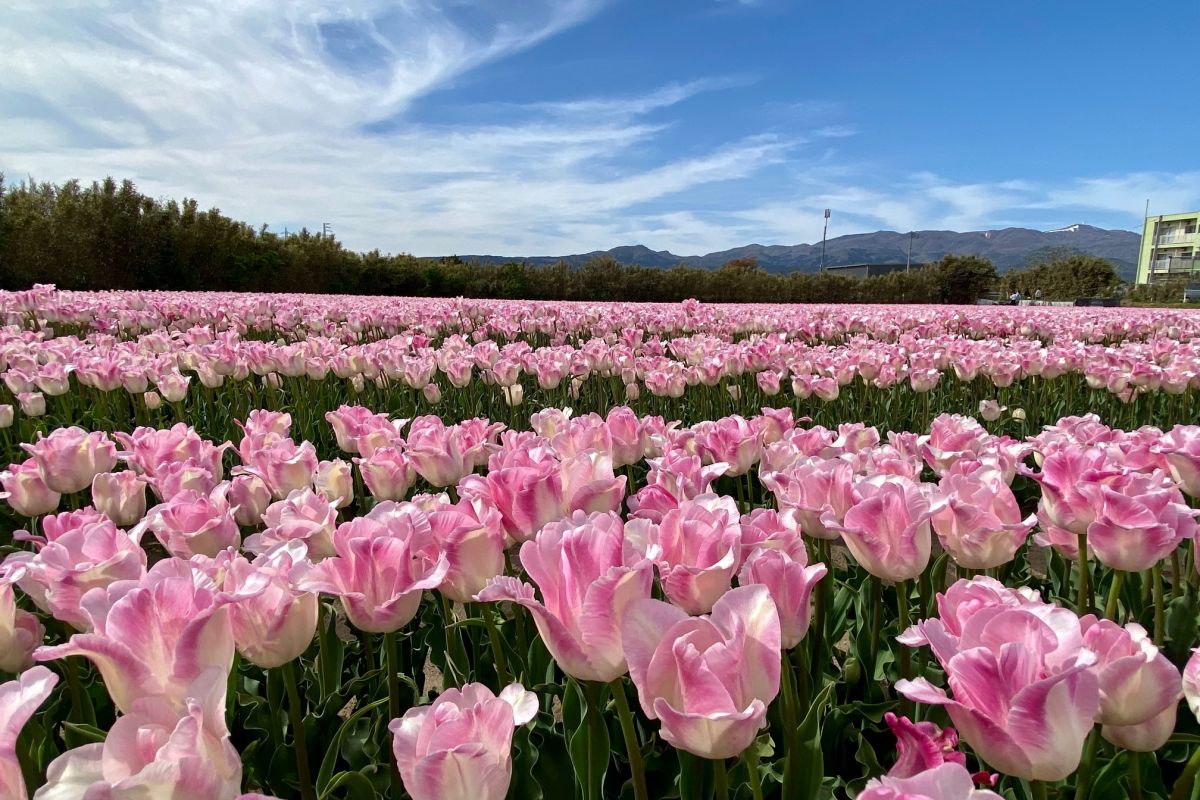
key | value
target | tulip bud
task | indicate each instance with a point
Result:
(433, 393)
(1018, 414)
(33, 404)
(851, 671)
(514, 395)
(335, 480)
(6, 416)
(152, 400)
(26, 491)
(251, 496)
(120, 496)
(990, 410)
(632, 392)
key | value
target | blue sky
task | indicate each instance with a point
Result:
(558, 126)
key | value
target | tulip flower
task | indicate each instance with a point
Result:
(921, 746)
(1181, 446)
(148, 448)
(1139, 520)
(388, 473)
(26, 491)
(948, 781)
(250, 496)
(473, 540)
(1137, 682)
(120, 496)
(791, 582)
(70, 457)
(335, 481)
(380, 570)
(273, 622)
(888, 531)
(588, 571)
(708, 680)
(697, 549)
(1025, 694)
(980, 525)
(813, 490)
(161, 747)
(153, 637)
(20, 632)
(1191, 682)
(192, 523)
(435, 452)
(19, 699)
(284, 465)
(731, 440)
(91, 553)
(673, 478)
(303, 516)
(459, 746)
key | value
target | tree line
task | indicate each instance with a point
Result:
(108, 235)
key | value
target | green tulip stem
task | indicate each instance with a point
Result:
(1114, 594)
(1160, 619)
(633, 747)
(1037, 790)
(750, 756)
(720, 780)
(393, 684)
(299, 744)
(1085, 589)
(902, 590)
(1135, 776)
(1083, 777)
(1187, 779)
(501, 662)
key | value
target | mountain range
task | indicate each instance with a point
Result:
(1007, 248)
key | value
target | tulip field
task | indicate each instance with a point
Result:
(294, 546)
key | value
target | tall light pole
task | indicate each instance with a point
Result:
(911, 236)
(823, 233)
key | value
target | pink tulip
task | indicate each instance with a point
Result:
(335, 481)
(631, 438)
(6, 415)
(262, 421)
(991, 410)
(33, 404)
(304, 516)
(70, 457)
(192, 523)
(90, 553)
(673, 478)
(588, 572)
(731, 440)
(790, 582)
(250, 495)
(980, 525)
(1139, 519)
(1025, 696)
(921, 746)
(153, 637)
(1181, 446)
(697, 549)
(176, 477)
(1137, 682)
(120, 496)
(388, 473)
(19, 699)
(350, 422)
(948, 781)
(20, 632)
(459, 746)
(435, 453)
(382, 566)
(888, 531)
(473, 540)
(813, 491)
(284, 465)
(161, 747)
(273, 622)
(1068, 479)
(147, 448)
(709, 679)
(26, 491)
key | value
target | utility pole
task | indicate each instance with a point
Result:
(911, 236)
(326, 229)
(823, 233)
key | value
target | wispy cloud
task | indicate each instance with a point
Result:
(304, 112)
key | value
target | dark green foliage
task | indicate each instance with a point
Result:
(110, 236)
(1065, 276)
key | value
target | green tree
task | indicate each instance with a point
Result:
(962, 279)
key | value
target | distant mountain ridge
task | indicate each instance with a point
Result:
(1007, 248)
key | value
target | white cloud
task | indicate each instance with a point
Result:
(301, 113)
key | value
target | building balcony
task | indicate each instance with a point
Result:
(1175, 238)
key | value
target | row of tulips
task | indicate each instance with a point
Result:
(467, 611)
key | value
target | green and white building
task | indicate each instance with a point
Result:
(1170, 248)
